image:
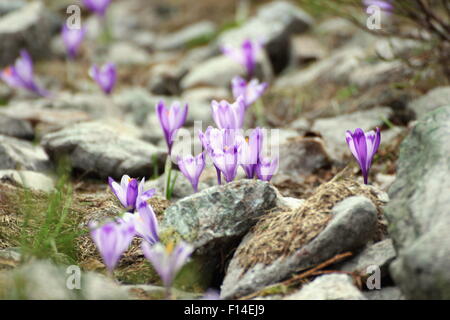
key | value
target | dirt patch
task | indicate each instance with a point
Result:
(282, 234)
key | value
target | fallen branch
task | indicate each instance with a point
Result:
(311, 272)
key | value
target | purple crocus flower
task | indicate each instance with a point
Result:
(205, 140)
(171, 119)
(245, 55)
(145, 222)
(251, 91)
(72, 39)
(249, 152)
(192, 168)
(112, 240)
(224, 147)
(363, 147)
(167, 261)
(20, 75)
(129, 192)
(266, 168)
(105, 76)
(97, 6)
(229, 116)
(383, 5)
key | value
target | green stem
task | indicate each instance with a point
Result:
(168, 173)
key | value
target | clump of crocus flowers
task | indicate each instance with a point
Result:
(363, 146)
(113, 238)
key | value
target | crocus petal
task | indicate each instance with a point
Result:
(132, 193)
(112, 239)
(363, 147)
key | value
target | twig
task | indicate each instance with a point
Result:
(304, 275)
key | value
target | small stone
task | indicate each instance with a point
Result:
(218, 216)
(434, 99)
(336, 67)
(379, 254)
(186, 36)
(333, 129)
(366, 76)
(329, 287)
(20, 154)
(30, 28)
(97, 149)
(302, 156)
(306, 49)
(386, 293)
(124, 53)
(16, 128)
(29, 179)
(219, 71)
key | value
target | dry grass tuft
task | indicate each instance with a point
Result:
(282, 234)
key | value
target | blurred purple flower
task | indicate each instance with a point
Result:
(20, 75)
(167, 261)
(211, 294)
(192, 168)
(112, 240)
(245, 55)
(105, 76)
(205, 140)
(383, 5)
(224, 147)
(129, 192)
(249, 152)
(145, 222)
(229, 116)
(266, 168)
(72, 39)
(363, 147)
(97, 6)
(171, 119)
(251, 91)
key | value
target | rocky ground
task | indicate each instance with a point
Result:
(314, 232)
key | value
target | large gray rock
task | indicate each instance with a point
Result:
(42, 280)
(7, 6)
(333, 129)
(379, 254)
(302, 156)
(337, 67)
(125, 53)
(368, 75)
(353, 223)
(329, 287)
(186, 36)
(218, 72)
(434, 99)
(274, 23)
(418, 212)
(20, 154)
(16, 128)
(95, 148)
(218, 216)
(29, 27)
(387, 293)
